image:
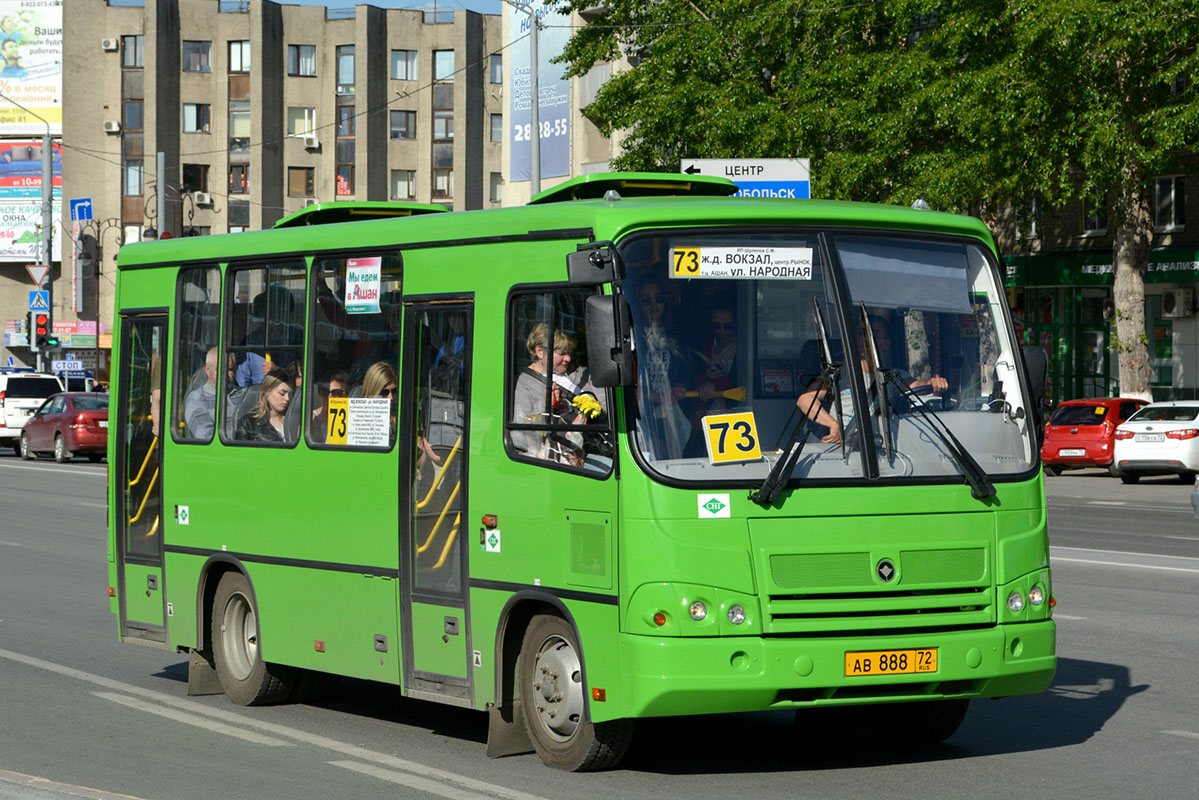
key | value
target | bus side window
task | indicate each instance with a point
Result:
(264, 347)
(354, 363)
(555, 413)
(197, 340)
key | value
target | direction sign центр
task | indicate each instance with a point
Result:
(757, 177)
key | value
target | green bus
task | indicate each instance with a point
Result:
(636, 449)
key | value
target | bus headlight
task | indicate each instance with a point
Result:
(1036, 596)
(736, 614)
(698, 610)
(1015, 602)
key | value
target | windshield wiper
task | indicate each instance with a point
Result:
(980, 485)
(780, 473)
(880, 388)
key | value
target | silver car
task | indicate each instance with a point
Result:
(1160, 439)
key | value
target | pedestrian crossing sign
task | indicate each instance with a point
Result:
(39, 300)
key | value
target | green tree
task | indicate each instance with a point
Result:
(972, 104)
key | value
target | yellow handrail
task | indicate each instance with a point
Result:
(440, 474)
(449, 540)
(145, 461)
(153, 528)
(145, 497)
(440, 518)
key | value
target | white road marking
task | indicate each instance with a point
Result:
(1067, 616)
(57, 470)
(1107, 503)
(47, 785)
(283, 731)
(1184, 734)
(1129, 564)
(191, 719)
(411, 781)
(11, 544)
(93, 505)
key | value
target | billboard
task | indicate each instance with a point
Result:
(31, 66)
(554, 90)
(21, 199)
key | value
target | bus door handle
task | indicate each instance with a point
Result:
(451, 628)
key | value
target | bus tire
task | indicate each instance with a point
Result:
(551, 692)
(930, 722)
(245, 677)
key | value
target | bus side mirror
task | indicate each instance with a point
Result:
(591, 266)
(1036, 370)
(609, 356)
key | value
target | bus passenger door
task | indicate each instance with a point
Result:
(433, 495)
(140, 430)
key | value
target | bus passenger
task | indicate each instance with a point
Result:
(265, 422)
(380, 381)
(199, 407)
(662, 363)
(335, 384)
(529, 399)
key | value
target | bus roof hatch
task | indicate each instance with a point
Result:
(636, 184)
(329, 213)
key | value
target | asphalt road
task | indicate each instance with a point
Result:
(83, 715)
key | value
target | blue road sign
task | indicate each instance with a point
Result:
(81, 209)
(39, 300)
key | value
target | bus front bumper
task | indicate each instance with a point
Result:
(681, 675)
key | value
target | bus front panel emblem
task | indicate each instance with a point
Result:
(885, 570)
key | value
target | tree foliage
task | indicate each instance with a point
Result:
(970, 103)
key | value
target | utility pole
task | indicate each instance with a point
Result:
(534, 97)
(46, 254)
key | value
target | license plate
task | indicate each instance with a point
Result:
(1150, 437)
(103, 423)
(1072, 452)
(890, 662)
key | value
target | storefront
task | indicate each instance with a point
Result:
(1063, 302)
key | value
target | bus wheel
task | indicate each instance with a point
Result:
(551, 691)
(928, 722)
(245, 677)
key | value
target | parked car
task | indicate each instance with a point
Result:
(1081, 433)
(22, 391)
(1160, 439)
(66, 424)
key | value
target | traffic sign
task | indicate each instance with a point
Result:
(39, 300)
(758, 177)
(38, 272)
(81, 209)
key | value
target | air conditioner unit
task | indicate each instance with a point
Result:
(112, 126)
(202, 198)
(310, 201)
(1178, 303)
(110, 45)
(311, 142)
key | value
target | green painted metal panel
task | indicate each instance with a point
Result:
(142, 603)
(435, 649)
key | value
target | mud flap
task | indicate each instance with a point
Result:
(506, 734)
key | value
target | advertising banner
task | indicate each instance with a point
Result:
(554, 108)
(21, 199)
(31, 66)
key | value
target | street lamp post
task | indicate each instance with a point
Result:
(47, 244)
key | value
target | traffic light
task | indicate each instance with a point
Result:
(41, 334)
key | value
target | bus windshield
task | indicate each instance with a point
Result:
(740, 337)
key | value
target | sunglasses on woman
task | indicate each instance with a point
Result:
(653, 299)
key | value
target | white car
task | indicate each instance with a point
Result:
(21, 393)
(1160, 439)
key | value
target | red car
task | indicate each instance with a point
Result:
(1081, 433)
(66, 424)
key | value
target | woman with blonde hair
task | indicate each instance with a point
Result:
(266, 422)
(528, 403)
(380, 381)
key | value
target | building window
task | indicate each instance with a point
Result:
(443, 184)
(345, 120)
(132, 177)
(301, 60)
(443, 126)
(1034, 218)
(300, 181)
(403, 124)
(132, 115)
(1169, 203)
(239, 55)
(301, 121)
(1094, 222)
(239, 178)
(403, 184)
(497, 68)
(345, 69)
(497, 127)
(403, 65)
(197, 117)
(443, 65)
(133, 52)
(195, 178)
(239, 130)
(238, 228)
(495, 187)
(197, 56)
